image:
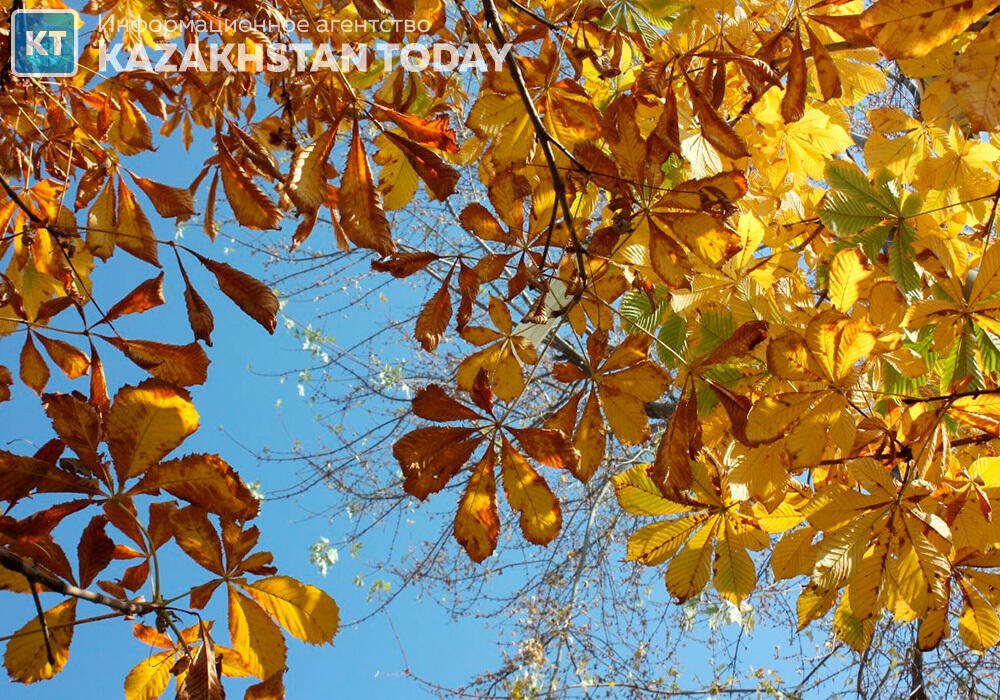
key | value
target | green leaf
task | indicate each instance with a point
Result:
(673, 335)
(716, 327)
(901, 265)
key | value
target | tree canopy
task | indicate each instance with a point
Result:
(734, 262)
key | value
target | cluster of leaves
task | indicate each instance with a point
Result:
(828, 346)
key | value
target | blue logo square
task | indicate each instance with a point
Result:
(43, 43)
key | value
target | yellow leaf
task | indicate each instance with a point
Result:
(254, 636)
(689, 570)
(978, 625)
(102, 223)
(145, 423)
(913, 28)
(150, 677)
(305, 611)
(637, 494)
(856, 632)
(794, 554)
(975, 82)
(655, 543)
(846, 275)
(25, 658)
(735, 575)
(812, 604)
(527, 493)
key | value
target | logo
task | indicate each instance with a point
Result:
(43, 43)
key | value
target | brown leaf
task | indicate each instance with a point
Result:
(429, 457)
(199, 314)
(736, 407)
(98, 385)
(742, 341)
(549, 447)
(183, 365)
(403, 265)
(169, 202)
(307, 179)
(481, 392)
(432, 403)
(208, 220)
(793, 104)
(78, 424)
(672, 466)
(434, 317)
(95, 550)
(250, 294)
(361, 214)
(195, 534)
(252, 207)
(271, 689)
(201, 682)
(715, 129)
(147, 295)
(439, 177)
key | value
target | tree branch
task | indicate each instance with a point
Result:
(11, 561)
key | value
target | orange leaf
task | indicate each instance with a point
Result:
(73, 362)
(252, 207)
(590, 439)
(793, 104)
(435, 133)
(183, 365)
(205, 480)
(146, 296)
(34, 371)
(361, 213)
(194, 533)
(527, 493)
(134, 234)
(743, 340)
(477, 525)
(169, 202)
(98, 385)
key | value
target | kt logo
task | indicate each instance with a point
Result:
(43, 43)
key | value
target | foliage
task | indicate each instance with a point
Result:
(650, 174)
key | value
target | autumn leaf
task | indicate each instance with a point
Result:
(477, 525)
(527, 493)
(204, 480)
(145, 423)
(250, 294)
(147, 295)
(252, 207)
(255, 637)
(305, 611)
(25, 658)
(361, 213)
